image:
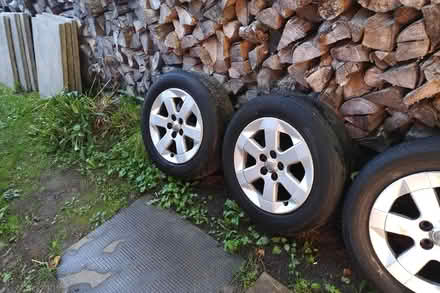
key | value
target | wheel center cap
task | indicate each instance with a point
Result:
(176, 126)
(271, 165)
(436, 237)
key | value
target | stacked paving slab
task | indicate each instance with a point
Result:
(57, 54)
(16, 52)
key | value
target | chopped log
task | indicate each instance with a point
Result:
(208, 69)
(227, 3)
(397, 122)
(139, 26)
(256, 6)
(411, 50)
(319, 77)
(231, 30)
(188, 42)
(427, 90)
(257, 55)
(285, 54)
(380, 32)
(185, 17)
(205, 29)
(373, 77)
(355, 132)
(351, 52)
(431, 68)
(181, 29)
(391, 97)
(330, 9)
(171, 59)
(405, 76)
(413, 32)
(424, 113)
(382, 59)
(356, 86)
(211, 47)
(273, 62)
(150, 16)
(431, 15)
(266, 78)
(333, 96)
(189, 62)
(307, 51)
(295, 29)
(195, 51)
(380, 5)
(330, 33)
(154, 4)
(239, 69)
(256, 32)
(223, 47)
(436, 103)
(344, 72)
(282, 7)
(414, 3)
(357, 24)
(367, 122)
(220, 16)
(234, 86)
(205, 57)
(271, 18)
(406, 15)
(161, 31)
(360, 106)
(172, 41)
(240, 51)
(309, 13)
(241, 10)
(326, 60)
(146, 43)
(221, 78)
(156, 62)
(167, 14)
(298, 71)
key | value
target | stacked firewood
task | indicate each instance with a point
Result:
(375, 62)
(33, 7)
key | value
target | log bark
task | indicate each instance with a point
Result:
(406, 15)
(330, 9)
(427, 90)
(380, 5)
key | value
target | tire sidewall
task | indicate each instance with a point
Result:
(306, 120)
(210, 140)
(379, 174)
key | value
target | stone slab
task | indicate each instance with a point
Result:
(47, 37)
(146, 249)
(8, 72)
(76, 57)
(29, 50)
(266, 283)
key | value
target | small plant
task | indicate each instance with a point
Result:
(98, 219)
(249, 272)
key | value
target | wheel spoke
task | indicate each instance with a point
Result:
(192, 132)
(272, 207)
(167, 97)
(187, 107)
(252, 148)
(294, 154)
(270, 190)
(164, 143)
(414, 259)
(180, 145)
(400, 225)
(427, 203)
(252, 173)
(293, 186)
(158, 120)
(271, 135)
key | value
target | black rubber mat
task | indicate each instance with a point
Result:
(146, 249)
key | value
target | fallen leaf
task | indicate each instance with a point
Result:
(54, 262)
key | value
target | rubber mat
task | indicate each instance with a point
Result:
(146, 249)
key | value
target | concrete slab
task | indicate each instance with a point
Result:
(146, 249)
(266, 283)
(47, 36)
(8, 73)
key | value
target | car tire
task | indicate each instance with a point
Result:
(384, 203)
(185, 145)
(304, 191)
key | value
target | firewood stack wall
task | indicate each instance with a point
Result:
(375, 62)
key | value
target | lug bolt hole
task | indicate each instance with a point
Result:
(174, 134)
(181, 131)
(263, 171)
(180, 121)
(426, 226)
(280, 166)
(173, 117)
(274, 176)
(172, 155)
(263, 158)
(427, 244)
(273, 154)
(169, 125)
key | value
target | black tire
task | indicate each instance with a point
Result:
(397, 162)
(215, 108)
(325, 150)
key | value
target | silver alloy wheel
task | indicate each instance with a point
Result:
(276, 175)
(176, 126)
(386, 220)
